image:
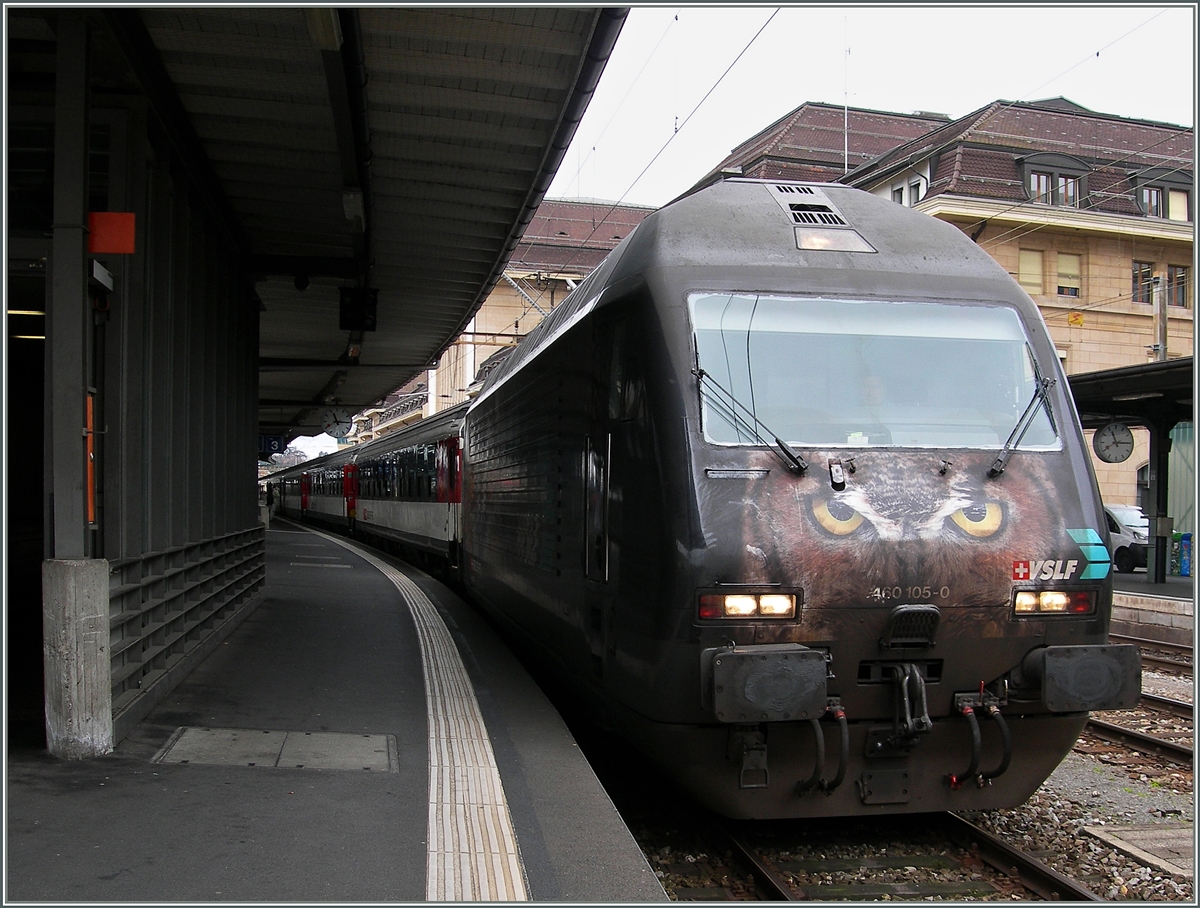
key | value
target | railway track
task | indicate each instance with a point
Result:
(1180, 708)
(936, 874)
(1160, 656)
(1151, 745)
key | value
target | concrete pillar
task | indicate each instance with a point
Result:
(76, 660)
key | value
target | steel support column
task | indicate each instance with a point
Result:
(1160, 458)
(75, 613)
(67, 328)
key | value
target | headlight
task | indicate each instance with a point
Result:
(1054, 602)
(748, 605)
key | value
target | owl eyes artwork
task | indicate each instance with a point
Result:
(901, 523)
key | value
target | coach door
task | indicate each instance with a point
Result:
(350, 489)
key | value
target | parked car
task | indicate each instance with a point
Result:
(1127, 528)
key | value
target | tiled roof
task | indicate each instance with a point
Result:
(821, 135)
(574, 236)
(1013, 128)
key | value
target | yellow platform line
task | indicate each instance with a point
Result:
(472, 855)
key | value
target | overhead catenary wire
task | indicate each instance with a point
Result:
(669, 140)
(602, 219)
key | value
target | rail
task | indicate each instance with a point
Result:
(1160, 659)
(1142, 743)
(1180, 708)
(1034, 875)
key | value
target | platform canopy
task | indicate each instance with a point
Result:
(381, 149)
(1154, 394)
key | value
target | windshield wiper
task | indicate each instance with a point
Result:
(1041, 398)
(727, 406)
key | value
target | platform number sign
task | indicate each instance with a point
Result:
(270, 444)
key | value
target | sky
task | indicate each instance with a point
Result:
(685, 85)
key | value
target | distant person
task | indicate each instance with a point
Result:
(270, 498)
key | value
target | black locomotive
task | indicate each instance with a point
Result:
(791, 490)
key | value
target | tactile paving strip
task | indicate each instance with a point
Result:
(472, 852)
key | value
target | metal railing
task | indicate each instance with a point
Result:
(164, 606)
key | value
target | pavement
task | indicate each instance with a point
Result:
(326, 653)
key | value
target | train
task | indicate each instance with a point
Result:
(791, 493)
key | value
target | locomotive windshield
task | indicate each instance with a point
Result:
(825, 372)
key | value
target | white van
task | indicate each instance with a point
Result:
(1127, 528)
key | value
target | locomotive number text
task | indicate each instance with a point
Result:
(911, 593)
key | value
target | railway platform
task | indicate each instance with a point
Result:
(1154, 611)
(362, 736)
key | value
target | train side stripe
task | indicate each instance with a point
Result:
(473, 854)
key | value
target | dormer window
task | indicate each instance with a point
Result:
(1054, 179)
(1164, 193)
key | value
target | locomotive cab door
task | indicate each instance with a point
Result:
(614, 475)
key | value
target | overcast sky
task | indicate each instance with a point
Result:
(1133, 60)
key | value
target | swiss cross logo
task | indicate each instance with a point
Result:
(1020, 570)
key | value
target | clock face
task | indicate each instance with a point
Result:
(1113, 442)
(336, 422)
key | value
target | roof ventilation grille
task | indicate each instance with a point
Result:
(803, 190)
(825, 217)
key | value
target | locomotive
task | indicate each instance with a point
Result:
(792, 493)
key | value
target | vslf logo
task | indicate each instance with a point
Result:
(1044, 570)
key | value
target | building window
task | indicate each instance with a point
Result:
(1055, 179)
(1152, 201)
(1040, 187)
(1068, 191)
(914, 193)
(898, 195)
(1177, 205)
(1029, 271)
(1143, 282)
(1069, 270)
(1177, 286)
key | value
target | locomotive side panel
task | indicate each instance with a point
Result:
(523, 500)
